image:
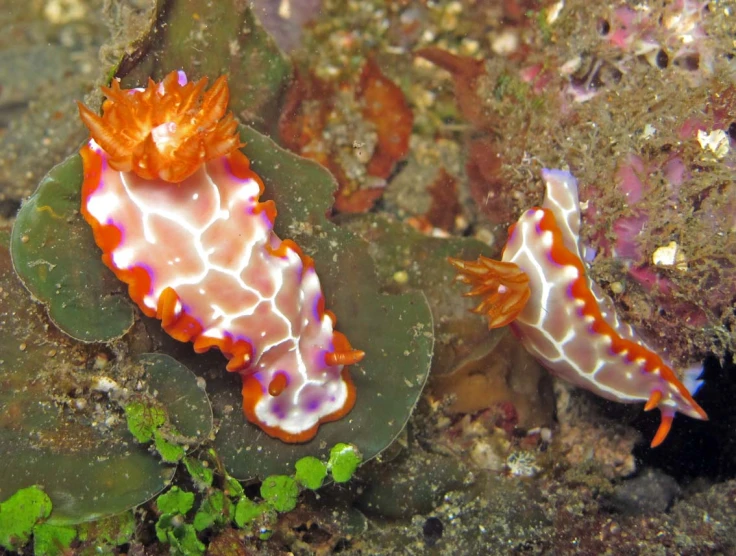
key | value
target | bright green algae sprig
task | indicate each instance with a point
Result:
(220, 502)
(179, 524)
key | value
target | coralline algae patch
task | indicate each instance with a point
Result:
(670, 233)
(322, 118)
(664, 259)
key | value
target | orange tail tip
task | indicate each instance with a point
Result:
(504, 288)
(664, 428)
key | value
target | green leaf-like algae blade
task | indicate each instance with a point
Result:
(246, 511)
(50, 540)
(215, 509)
(201, 475)
(176, 501)
(19, 513)
(344, 460)
(280, 492)
(110, 531)
(233, 487)
(310, 472)
(203, 520)
(143, 420)
(170, 453)
(56, 258)
(184, 541)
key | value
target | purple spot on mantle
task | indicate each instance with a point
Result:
(278, 410)
(312, 400)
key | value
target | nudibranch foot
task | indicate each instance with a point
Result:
(542, 290)
(504, 288)
(174, 206)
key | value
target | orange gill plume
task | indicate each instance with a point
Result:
(504, 288)
(167, 130)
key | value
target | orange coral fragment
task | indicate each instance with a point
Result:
(385, 106)
(167, 130)
(312, 105)
(504, 287)
(445, 206)
(466, 73)
(307, 106)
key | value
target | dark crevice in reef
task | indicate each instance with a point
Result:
(8, 207)
(697, 449)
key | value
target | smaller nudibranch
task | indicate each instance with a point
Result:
(174, 206)
(541, 289)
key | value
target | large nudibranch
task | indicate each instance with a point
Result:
(174, 206)
(541, 289)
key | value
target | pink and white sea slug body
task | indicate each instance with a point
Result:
(541, 289)
(175, 208)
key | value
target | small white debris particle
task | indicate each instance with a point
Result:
(401, 277)
(617, 287)
(104, 384)
(505, 43)
(716, 141)
(522, 464)
(101, 361)
(669, 255)
(554, 11)
(649, 131)
(285, 9)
